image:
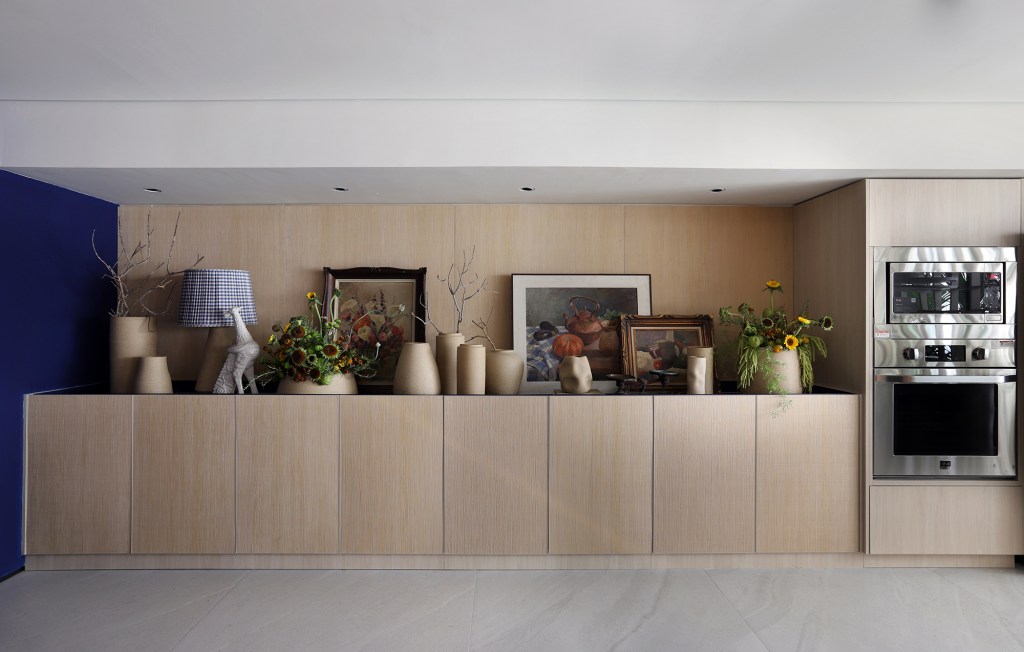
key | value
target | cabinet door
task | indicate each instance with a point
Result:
(391, 466)
(601, 467)
(808, 473)
(288, 474)
(703, 474)
(183, 498)
(496, 475)
(79, 474)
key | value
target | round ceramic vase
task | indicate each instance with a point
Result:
(153, 377)
(785, 364)
(340, 384)
(447, 346)
(416, 372)
(131, 338)
(504, 372)
(472, 368)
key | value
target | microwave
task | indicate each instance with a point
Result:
(938, 290)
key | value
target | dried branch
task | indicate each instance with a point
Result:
(425, 320)
(482, 325)
(462, 287)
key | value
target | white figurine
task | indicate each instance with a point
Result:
(241, 359)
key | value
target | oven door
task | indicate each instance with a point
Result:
(946, 293)
(945, 422)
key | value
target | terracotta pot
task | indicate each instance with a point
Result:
(447, 347)
(504, 372)
(131, 338)
(472, 368)
(153, 376)
(784, 364)
(575, 375)
(416, 372)
(340, 384)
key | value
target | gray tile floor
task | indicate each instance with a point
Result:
(793, 609)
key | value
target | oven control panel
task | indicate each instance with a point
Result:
(896, 353)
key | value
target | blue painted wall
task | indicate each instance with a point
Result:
(54, 325)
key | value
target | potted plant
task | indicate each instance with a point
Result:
(322, 354)
(775, 355)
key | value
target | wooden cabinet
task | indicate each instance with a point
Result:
(703, 474)
(808, 473)
(391, 475)
(287, 451)
(78, 474)
(496, 475)
(601, 474)
(183, 497)
(946, 520)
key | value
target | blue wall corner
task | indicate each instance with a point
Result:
(55, 307)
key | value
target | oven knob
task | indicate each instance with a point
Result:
(910, 353)
(980, 353)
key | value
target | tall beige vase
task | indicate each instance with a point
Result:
(131, 338)
(416, 371)
(447, 347)
(504, 371)
(708, 353)
(785, 365)
(472, 368)
(153, 376)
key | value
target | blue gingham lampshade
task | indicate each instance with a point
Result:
(207, 293)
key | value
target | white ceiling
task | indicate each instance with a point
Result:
(145, 52)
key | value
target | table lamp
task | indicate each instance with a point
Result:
(206, 295)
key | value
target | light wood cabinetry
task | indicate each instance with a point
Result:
(946, 520)
(808, 473)
(391, 475)
(496, 475)
(287, 465)
(703, 474)
(78, 474)
(601, 474)
(183, 496)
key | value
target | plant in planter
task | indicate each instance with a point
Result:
(763, 336)
(313, 349)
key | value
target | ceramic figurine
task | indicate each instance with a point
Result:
(241, 360)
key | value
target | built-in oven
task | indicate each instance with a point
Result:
(945, 408)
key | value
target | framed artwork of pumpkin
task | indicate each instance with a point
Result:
(660, 342)
(559, 315)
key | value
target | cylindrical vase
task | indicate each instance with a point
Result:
(416, 372)
(504, 371)
(696, 368)
(708, 353)
(447, 346)
(153, 377)
(131, 338)
(472, 368)
(777, 373)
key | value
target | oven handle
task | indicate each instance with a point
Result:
(949, 379)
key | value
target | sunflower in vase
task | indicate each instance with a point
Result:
(772, 331)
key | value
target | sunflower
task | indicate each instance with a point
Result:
(773, 284)
(791, 342)
(827, 323)
(298, 332)
(767, 322)
(803, 320)
(311, 295)
(298, 356)
(271, 340)
(331, 351)
(314, 374)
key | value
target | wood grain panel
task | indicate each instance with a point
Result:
(391, 475)
(288, 474)
(533, 239)
(832, 277)
(78, 474)
(944, 212)
(601, 473)
(703, 474)
(496, 475)
(929, 520)
(938, 561)
(183, 496)
(808, 473)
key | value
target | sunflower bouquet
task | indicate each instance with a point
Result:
(315, 347)
(772, 331)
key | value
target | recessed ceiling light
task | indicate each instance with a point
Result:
(717, 189)
(527, 189)
(339, 189)
(152, 190)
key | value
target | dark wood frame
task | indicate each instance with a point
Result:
(417, 310)
(629, 325)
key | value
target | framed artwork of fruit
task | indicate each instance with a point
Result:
(660, 343)
(560, 315)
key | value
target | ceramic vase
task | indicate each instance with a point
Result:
(696, 369)
(471, 367)
(416, 372)
(575, 375)
(131, 338)
(784, 364)
(504, 372)
(447, 347)
(708, 353)
(340, 384)
(153, 377)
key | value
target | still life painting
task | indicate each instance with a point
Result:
(661, 343)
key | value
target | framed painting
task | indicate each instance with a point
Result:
(369, 303)
(555, 315)
(660, 342)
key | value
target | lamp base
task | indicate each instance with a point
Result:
(216, 352)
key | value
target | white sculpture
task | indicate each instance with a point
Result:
(241, 359)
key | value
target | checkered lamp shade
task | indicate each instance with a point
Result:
(207, 293)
